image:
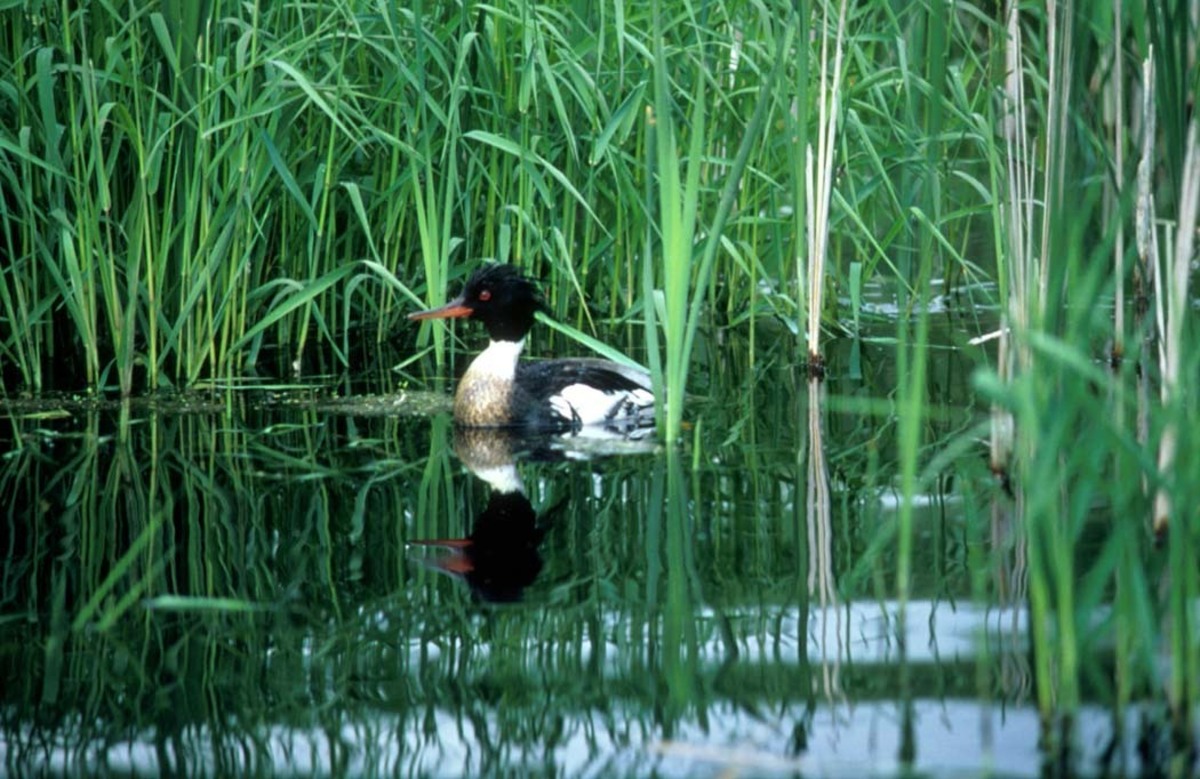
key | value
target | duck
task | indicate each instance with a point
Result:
(499, 390)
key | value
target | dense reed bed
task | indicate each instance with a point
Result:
(238, 189)
(191, 197)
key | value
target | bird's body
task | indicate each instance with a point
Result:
(499, 390)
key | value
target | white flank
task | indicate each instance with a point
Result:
(591, 406)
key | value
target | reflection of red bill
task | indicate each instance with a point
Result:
(458, 562)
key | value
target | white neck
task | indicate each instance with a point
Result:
(497, 361)
(502, 478)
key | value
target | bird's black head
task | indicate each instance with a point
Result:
(500, 297)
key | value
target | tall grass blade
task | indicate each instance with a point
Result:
(683, 283)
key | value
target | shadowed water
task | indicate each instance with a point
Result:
(316, 582)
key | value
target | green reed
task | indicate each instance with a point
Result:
(674, 284)
(280, 170)
(677, 205)
(407, 146)
(191, 196)
(1074, 424)
(277, 546)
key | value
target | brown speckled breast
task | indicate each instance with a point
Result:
(483, 401)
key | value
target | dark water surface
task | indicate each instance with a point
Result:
(235, 583)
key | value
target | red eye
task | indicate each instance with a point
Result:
(485, 296)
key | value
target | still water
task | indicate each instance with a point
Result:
(327, 580)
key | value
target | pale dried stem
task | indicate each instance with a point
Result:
(818, 173)
(1017, 216)
(1176, 304)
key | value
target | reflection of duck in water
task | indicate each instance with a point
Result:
(500, 558)
(552, 395)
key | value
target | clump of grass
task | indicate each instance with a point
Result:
(683, 283)
(248, 188)
(1045, 433)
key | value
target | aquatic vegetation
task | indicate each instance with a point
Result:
(192, 198)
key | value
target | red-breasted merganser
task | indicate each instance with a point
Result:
(498, 390)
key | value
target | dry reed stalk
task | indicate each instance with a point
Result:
(1147, 239)
(1018, 216)
(819, 180)
(1170, 322)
